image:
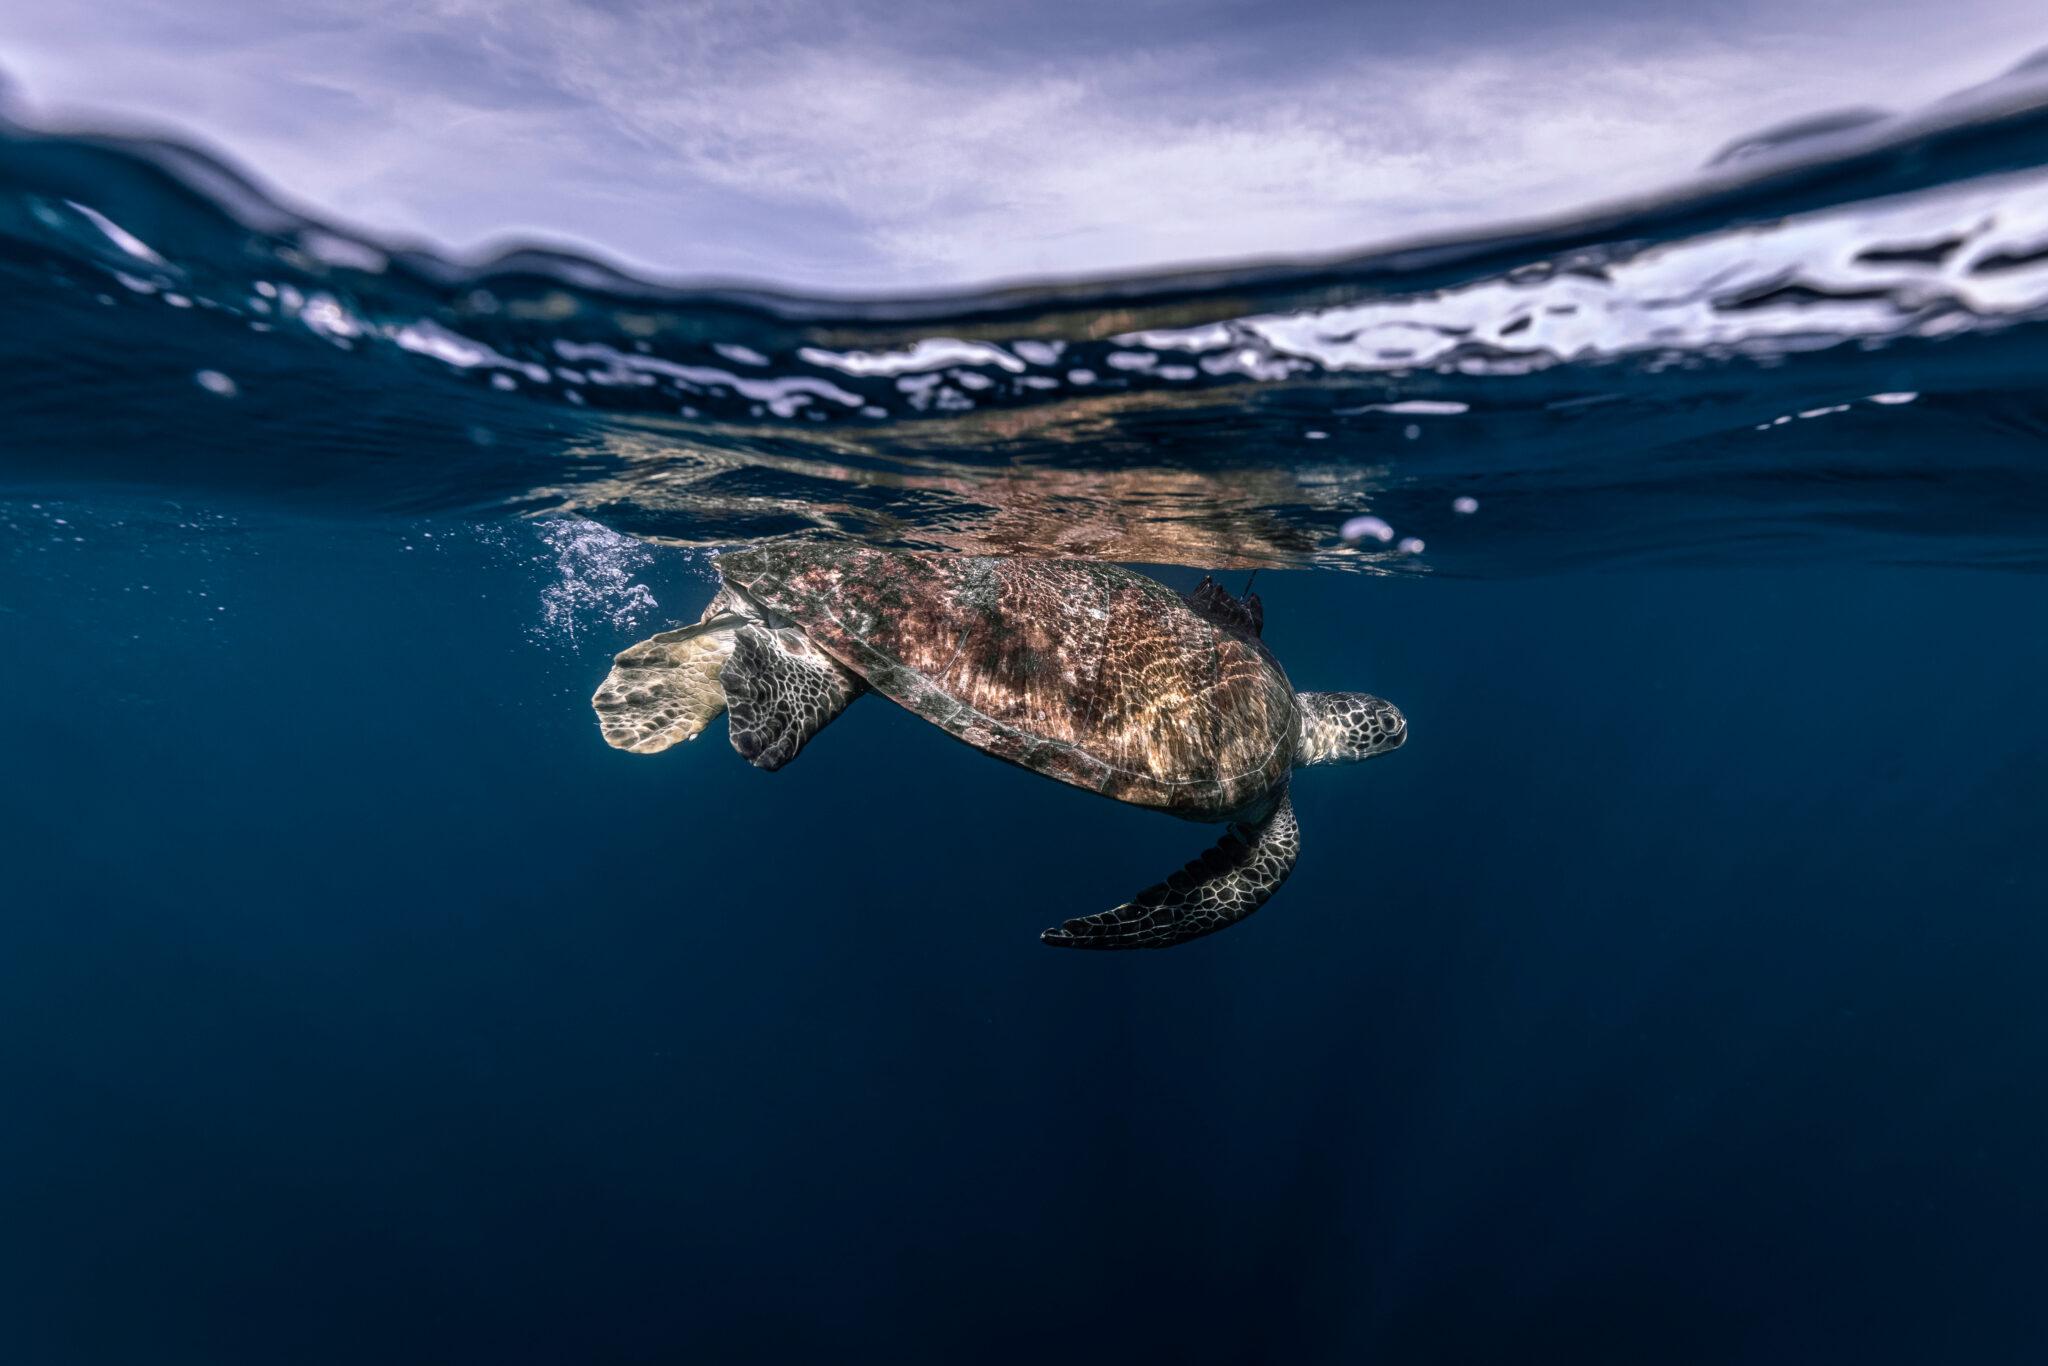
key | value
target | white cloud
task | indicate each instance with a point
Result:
(820, 148)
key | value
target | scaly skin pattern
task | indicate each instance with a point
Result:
(665, 691)
(782, 690)
(1345, 727)
(1084, 672)
(1213, 893)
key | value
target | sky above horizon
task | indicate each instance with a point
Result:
(862, 147)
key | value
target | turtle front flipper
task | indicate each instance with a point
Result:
(1214, 892)
(782, 690)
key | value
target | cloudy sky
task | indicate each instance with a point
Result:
(889, 145)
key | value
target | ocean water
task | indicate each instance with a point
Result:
(1674, 995)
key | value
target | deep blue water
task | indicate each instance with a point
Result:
(1673, 996)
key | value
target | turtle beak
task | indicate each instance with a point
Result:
(1392, 727)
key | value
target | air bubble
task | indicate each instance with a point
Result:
(1358, 528)
(596, 568)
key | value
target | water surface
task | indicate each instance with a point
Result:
(1673, 995)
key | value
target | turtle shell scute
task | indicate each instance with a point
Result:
(1088, 673)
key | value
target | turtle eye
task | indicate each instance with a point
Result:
(1380, 727)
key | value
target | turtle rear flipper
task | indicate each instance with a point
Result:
(782, 690)
(1214, 892)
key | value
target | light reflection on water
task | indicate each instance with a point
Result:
(1688, 377)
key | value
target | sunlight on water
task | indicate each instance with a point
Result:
(1344, 414)
(392, 936)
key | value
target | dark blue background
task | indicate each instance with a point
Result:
(1674, 996)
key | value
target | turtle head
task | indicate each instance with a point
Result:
(1345, 727)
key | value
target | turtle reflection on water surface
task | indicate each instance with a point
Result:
(1088, 673)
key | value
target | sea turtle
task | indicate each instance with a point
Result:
(1088, 673)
